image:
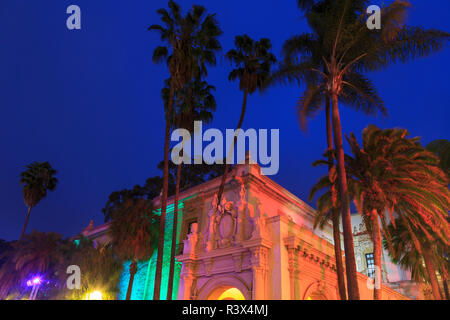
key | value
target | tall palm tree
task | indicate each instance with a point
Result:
(191, 46)
(423, 267)
(195, 102)
(37, 179)
(394, 173)
(365, 99)
(341, 42)
(328, 205)
(134, 233)
(253, 61)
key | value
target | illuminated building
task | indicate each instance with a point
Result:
(258, 243)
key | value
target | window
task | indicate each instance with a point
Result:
(370, 265)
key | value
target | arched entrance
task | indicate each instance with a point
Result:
(316, 296)
(226, 293)
(225, 287)
(316, 291)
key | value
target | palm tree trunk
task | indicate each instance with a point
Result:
(445, 284)
(376, 235)
(431, 273)
(335, 219)
(350, 263)
(241, 120)
(174, 234)
(338, 256)
(424, 252)
(133, 269)
(25, 224)
(159, 260)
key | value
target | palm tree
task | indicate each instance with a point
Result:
(37, 254)
(390, 173)
(328, 205)
(365, 99)
(193, 103)
(362, 96)
(37, 179)
(191, 46)
(423, 267)
(393, 173)
(134, 233)
(341, 43)
(253, 62)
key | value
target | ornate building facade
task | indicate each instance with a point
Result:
(257, 243)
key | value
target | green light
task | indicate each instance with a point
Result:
(143, 285)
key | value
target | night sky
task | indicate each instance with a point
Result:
(88, 101)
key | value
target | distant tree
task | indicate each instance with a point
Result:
(134, 233)
(37, 179)
(4, 247)
(191, 175)
(423, 266)
(149, 191)
(441, 148)
(9, 278)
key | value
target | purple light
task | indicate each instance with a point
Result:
(34, 281)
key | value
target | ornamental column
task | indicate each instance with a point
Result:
(259, 249)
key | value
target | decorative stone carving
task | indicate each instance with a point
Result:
(190, 244)
(259, 226)
(242, 214)
(222, 224)
(238, 259)
(208, 266)
(212, 215)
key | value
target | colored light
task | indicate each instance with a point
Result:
(232, 294)
(34, 281)
(96, 295)
(144, 279)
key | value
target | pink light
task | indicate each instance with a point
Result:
(34, 281)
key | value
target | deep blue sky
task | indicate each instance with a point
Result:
(89, 102)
